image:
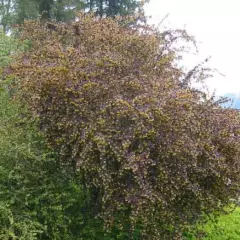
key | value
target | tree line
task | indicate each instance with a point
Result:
(16, 11)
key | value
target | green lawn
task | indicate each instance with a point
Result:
(226, 227)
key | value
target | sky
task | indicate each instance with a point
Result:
(216, 27)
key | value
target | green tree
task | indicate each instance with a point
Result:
(113, 8)
(24, 10)
(16, 11)
(45, 8)
(124, 7)
(5, 14)
(64, 11)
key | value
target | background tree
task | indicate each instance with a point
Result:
(24, 10)
(5, 14)
(64, 11)
(116, 7)
(16, 11)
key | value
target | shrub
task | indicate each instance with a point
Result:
(113, 103)
(225, 227)
(16, 150)
(7, 45)
(219, 228)
(38, 200)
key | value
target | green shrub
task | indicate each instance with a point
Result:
(224, 227)
(37, 199)
(7, 45)
(16, 150)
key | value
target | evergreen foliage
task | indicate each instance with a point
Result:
(17, 11)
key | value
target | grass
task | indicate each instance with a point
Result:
(225, 227)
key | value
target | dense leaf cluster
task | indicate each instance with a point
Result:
(110, 101)
(38, 199)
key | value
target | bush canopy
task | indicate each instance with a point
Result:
(112, 101)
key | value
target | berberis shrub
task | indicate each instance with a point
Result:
(113, 103)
